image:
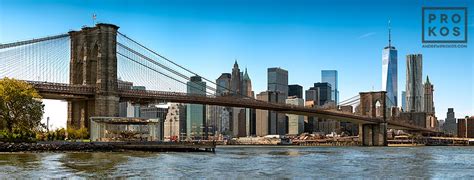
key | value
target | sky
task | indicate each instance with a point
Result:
(301, 36)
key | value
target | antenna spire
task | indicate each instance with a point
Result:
(389, 34)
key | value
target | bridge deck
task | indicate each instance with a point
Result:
(67, 91)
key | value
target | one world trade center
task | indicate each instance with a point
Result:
(389, 72)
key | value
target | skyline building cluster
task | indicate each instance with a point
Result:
(206, 120)
(417, 103)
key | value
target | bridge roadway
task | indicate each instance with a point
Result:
(64, 91)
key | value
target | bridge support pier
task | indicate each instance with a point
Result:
(94, 63)
(373, 134)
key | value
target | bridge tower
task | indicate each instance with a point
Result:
(94, 63)
(373, 104)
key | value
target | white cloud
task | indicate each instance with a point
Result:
(366, 35)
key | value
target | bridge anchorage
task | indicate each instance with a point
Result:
(93, 88)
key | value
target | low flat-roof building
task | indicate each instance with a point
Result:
(120, 129)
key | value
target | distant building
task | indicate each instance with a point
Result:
(158, 111)
(224, 114)
(278, 80)
(404, 101)
(428, 101)
(295, 90)
(295, 122)
(450, 125)
(324, 91)
(414, 83)
(349, 128)
(175, 122)
(246, 85)
(312, 97)
(223, 84)
(196, 113)
(268, 122)
(235, 81)
(466, 127)
(127, 109)
(330, 76)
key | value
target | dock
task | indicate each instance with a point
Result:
(62, 146)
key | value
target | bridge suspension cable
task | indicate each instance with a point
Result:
(42, 59)
(168, 68)
(350, 101)
(31, 41)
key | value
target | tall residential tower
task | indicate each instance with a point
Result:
(414, 83)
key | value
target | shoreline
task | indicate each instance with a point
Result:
(62, 146)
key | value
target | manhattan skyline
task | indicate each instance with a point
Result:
(308, 39)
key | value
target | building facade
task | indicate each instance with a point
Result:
(175, 122)
(295, 122)
(295, 90)
(428, 97)
(414, 83)
(196, 113)
(450, 124)
(404, 101)
(268, 122)
(324, 92)
(466, 127)
(277, 79)
(330, 76)
(223, 84)
(312, 97)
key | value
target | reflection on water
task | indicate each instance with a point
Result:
(250, 162)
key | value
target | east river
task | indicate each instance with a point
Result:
(250, 162)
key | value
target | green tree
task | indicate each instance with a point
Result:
(20, 105)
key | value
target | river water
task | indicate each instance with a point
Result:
(250, 162)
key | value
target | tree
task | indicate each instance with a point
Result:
(20, 105)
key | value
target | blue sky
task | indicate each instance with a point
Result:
(301, 36)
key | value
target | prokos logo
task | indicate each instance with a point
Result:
(444, 25)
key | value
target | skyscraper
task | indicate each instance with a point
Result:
(414, 83)
(247, 85)
(428, 101)
(390, 71)
(278, 80)
(324, 90)
(196, 113)
(223, 113)
(295, 90)
(330, 76)
(223, 84)
(235, 79)
(450, 124)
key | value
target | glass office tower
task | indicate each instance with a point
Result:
(330, 76)
(196, 113)
(390, 73)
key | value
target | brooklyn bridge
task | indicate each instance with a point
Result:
(86, 68)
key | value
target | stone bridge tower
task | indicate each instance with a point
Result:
(93, 63)
(373, 104)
